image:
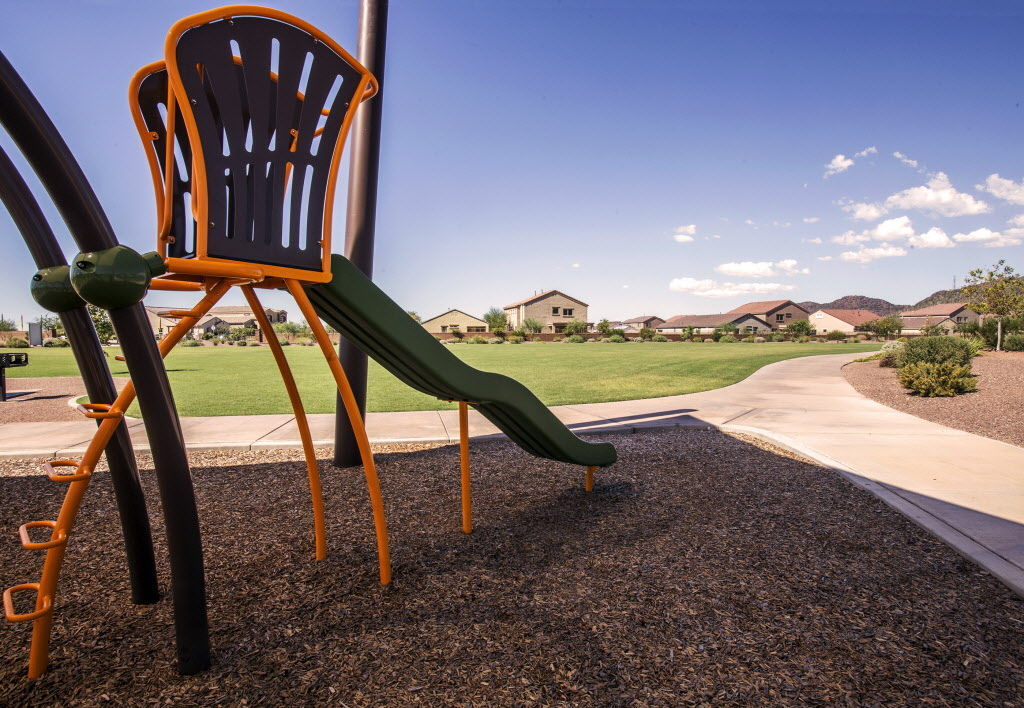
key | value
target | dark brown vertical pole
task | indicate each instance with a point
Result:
(362, 208)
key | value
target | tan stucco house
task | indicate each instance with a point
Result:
(777, 313)
(230, 316)
(553, 308)
(947, 316)
(824, 321)
(635, 324)
(454, 319)
(706, 324)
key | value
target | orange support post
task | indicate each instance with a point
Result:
(467, 482)
(588, 485)
(352, 410)
(312, 469)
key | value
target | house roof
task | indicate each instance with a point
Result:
(943, 310)
(444, 314)
(763, 306)
(642, 319)
(854, 317)
(541, 296)
(705, 320)
(914, 321)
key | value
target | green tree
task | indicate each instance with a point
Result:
(51, 323)
(101, 321)
(414, 315)
(799, 328)
(6, 325)
(647, 333)
(532, 326)
(496, 320)
(605, 328)
(932, 330)
(574, 327)
(291, 328)
(885, 326)
(998, 291)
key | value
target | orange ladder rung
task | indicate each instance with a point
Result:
(58, 477)
(119, 357)
(178, 314)
(56, 539)
(12, 616)
(99, 411)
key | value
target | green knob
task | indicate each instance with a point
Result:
(51, 288)
(115, 277)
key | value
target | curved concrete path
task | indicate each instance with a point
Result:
(966, 489)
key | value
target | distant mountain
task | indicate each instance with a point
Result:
(941, 297)
(858, 302)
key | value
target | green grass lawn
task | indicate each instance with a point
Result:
(224, 380)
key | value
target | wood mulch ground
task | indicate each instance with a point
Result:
(704, 569)
(995, 410)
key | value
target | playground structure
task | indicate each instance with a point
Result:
(243, 125)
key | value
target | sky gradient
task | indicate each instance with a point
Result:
(645, 157)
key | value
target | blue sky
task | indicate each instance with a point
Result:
(645, 157)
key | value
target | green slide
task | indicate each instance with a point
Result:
(372, 321)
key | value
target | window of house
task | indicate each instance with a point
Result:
(751, 329)
(476, 329)
(789, 315)
(780, 317)
(554, 311)
(567, 312)
(444, 328)
(960, 319)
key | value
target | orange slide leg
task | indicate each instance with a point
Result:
(588, 484)
(313, 470)
(352, 410)
(467, 482)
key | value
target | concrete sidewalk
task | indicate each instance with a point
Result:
(966, 489)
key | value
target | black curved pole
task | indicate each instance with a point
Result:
(361, 224)
(91, 360)
(44, 148)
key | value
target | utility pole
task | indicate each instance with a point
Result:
(361, 219)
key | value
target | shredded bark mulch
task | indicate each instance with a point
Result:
(995, 410)
(703, 569)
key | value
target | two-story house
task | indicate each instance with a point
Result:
(947, 316)
(453, 320)
(552, 308)
(777, 313)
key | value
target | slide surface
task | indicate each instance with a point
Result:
(367, 317)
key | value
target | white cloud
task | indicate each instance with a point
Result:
(625, 287)
(684, 234)
(715, 236)
(1003, 188)
(824, 258)
(866, 255)
(812, 219)
(749, 222)
(712, 288)
(816, 239)
(851, 238)
(1016, 220)
(761, 269)
(939, 197)
(866, 151)
(892, 229)
(864, 211)
(932, 238)
(575, 265)
(992, 239)
(905, 160)
(840, 163)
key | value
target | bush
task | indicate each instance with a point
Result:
(987, 329)
(748, 338)
(776, 337)
(636, 339)
(16, 343)
(515, 339)
(930, 379)
(708, 339)
(460, 340)
(191, 343)
(659, 338)
(241, 343)
(619, 332)
(836, 336)
(647, 333)
(759, 340)
(477, 339)
(616, 339)
(304, 341)
(495, 340)
(803, 340)
(285, 343)
(727, 338)
(936, 350)
(59, 343)
(576, 339)
(890, 354)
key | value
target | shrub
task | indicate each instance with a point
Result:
(616, 338)
(987, 330)
(635, 339)
(727, 338)
(708, 339)
(191, 343)
(803, 339)
(575, 327)
(619, 332)
(495, 340)
(748, 338)
(836, 336)
(216, 343)
(455, 341)
(776, 337)
(515, 339)
(931, 379)
(16, 343)
(760, 340)
(59, 343)
(576, 339)
(477, 339)
(1013, 342)
(696, 339)
(285, 343)
(241, 343)
(890, 354)
(935, 350)
(659, 338)
(647, 333)
(304, 341)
